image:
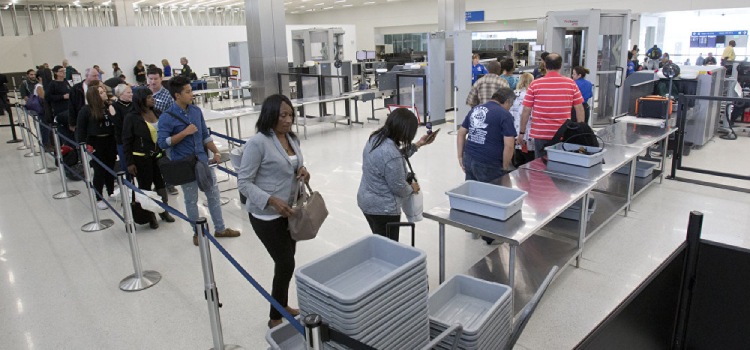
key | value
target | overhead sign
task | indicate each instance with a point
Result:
(474, 16)
(718, 39)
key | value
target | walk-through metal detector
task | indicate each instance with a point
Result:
(597, 40)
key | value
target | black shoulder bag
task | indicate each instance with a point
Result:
(178, 171)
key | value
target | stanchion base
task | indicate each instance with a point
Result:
(21, 148)
(31, 154)
(69, 194)
(231, 347)
(13, 141)
(223, 200)
(97, 226)
(133, 283)
(45, 170)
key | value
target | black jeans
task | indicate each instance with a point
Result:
(378, 223)
(539, 146)
(106, 151)
(278, 241)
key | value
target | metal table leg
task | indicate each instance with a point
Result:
(441, 242)
(582, 225)
(631, 183)
(512, 272)
(664, 149)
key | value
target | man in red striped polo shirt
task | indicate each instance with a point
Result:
(551, 98)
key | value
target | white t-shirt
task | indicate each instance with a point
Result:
(516, 111)
(295, 164)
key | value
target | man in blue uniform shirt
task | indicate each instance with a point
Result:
(182, 133)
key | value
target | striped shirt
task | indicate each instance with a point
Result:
(551, 99)
(483, 90)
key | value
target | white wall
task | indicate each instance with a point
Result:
(203, 46)
(16, 54)
(47, 47)
(423, 13)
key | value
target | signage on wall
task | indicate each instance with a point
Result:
(718, 39)
(474, 16)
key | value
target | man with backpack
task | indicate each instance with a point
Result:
(654, 55)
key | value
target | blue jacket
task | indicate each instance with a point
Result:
(193, 144)
(586, 88)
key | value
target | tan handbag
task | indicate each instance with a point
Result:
(309, 213)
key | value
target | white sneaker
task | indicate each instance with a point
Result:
(101, 205)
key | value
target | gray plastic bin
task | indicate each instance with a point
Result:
(642, 169)
(574, 211)
(467, 300)
(561, 152)
(497, 202)
(285, 337)
(349, 274)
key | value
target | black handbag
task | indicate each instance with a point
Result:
(140, 216)
(178, 171)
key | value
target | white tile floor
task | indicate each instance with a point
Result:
(59, 285)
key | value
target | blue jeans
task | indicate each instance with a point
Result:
(481, 172)
(190, 191)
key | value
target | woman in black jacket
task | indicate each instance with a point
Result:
(95, 126)
(140, 73)
(141, 153)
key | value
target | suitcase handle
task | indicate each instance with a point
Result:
(390, 225)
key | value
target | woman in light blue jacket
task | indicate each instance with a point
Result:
(384, 185)
(269, 172)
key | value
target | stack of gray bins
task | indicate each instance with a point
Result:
(374, 290)
(482, 308)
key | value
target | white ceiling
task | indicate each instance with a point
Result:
(290, 6)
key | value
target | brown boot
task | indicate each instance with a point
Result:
(165, 199)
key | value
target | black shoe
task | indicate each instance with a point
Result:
(172, 190)
(152, 222)
(166, 217)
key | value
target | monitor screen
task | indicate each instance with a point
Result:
(371, 55)
(361, 55)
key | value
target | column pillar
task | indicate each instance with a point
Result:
(266, 43)
(124, 14)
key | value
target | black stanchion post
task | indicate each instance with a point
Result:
(689, 273)
(313, 330)
(96, 225)
(19, 114)
(139, 280)
(42, 153)
(15, 139)
(65, 192)
(29, 136)
(211, 292)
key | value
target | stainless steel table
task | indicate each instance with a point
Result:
(300, 103)
(548, 196)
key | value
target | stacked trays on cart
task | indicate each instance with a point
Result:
(483, 309)
(374, 290)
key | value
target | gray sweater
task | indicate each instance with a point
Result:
(383, 186)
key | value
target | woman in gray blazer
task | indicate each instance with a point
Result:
(384, 185)
(269, 172)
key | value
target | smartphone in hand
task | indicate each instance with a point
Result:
(431, 136)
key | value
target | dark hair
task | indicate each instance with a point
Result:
(581, 71)
(139, 63)
(57, 68)
(553, 61)
(29, 71)
(96, 104)
(154, 70)
(116, 65)
(732, 43)
(544, 55)
(503, 95)
(494, 67)
(508, 65)
(139, 100)
(400, 126)
(176, 85)
(270, 112)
